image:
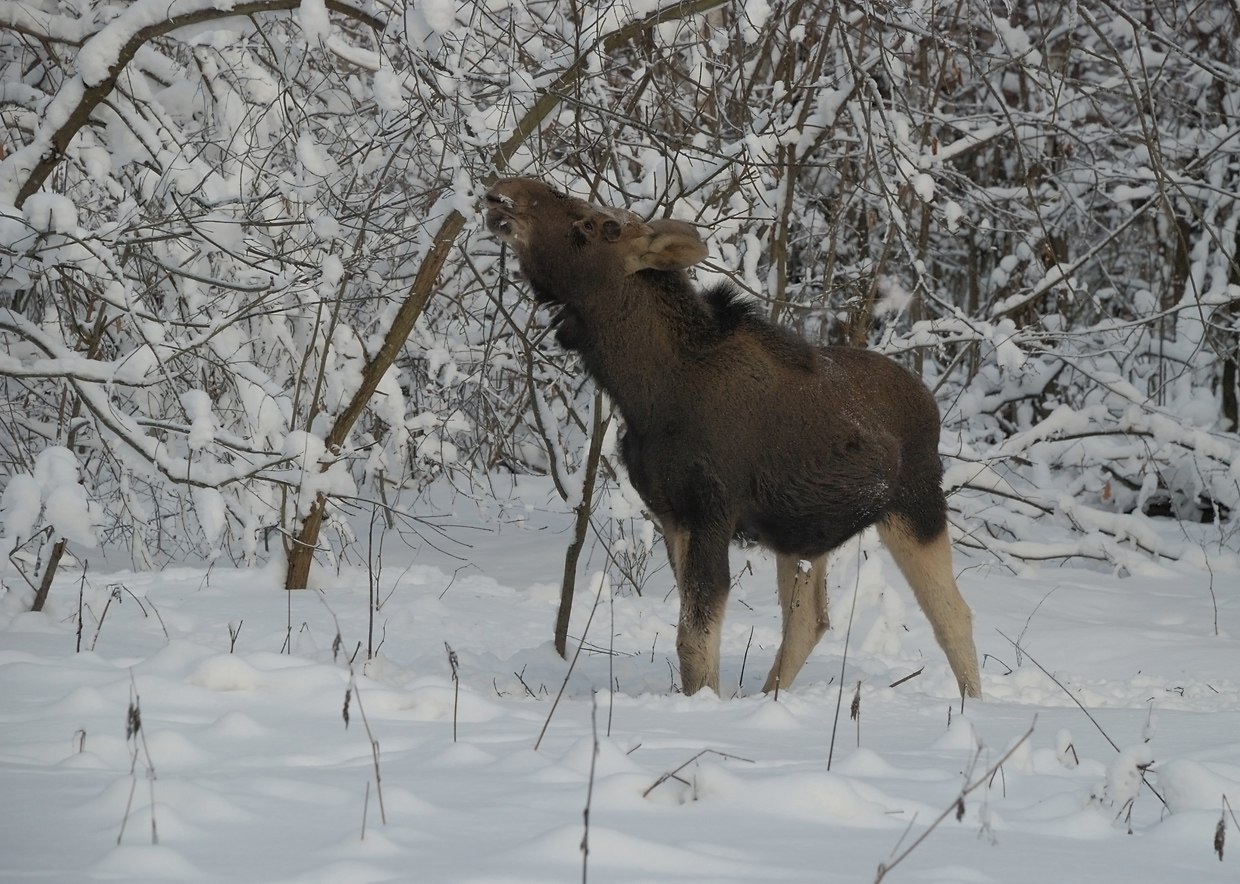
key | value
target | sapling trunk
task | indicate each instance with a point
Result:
(49, 573)
(580, 526)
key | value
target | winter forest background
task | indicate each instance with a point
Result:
(246, 303)
(254, 335)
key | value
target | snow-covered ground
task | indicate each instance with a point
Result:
(245, 769)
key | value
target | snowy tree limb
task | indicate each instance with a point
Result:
(106, 54)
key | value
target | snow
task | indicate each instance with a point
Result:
(440, 14)
(753, 18)
(52, 490)
(923, 184)
(51, 213)
(211, 510)
(197, 404)
(318, 473)
(244, 768)
(387, 90)
(314, 20)
(20, 504)
(317, 162)
(893, 297)
(952, 213)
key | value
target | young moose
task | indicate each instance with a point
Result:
(736, 428)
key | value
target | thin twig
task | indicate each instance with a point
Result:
(909, 677)
(81, 595)
(839, 699)
(854, 711)
(1029, 619)
(114, 593)
(602, 581)
(611, 662)
(585, 814)
(137, 733)
(455, 665)
(374, 744)
(1220, 831)
(1080, 706)
(956, 807)
(672, 774)
(745, 659)
(374, 568)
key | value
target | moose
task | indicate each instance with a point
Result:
(736, 428)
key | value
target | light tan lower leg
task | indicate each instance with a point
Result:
(697, 646)
(803, 598)
(702, 604)
(928, 569)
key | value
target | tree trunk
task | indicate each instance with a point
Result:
(300, 549)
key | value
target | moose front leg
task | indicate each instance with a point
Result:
(702, 577)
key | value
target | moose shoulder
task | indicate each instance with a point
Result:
(735, 427)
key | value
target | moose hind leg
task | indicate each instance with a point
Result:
(803, 598)
(927, 566)
(701, 566)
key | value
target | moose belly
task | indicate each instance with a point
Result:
(808, 531)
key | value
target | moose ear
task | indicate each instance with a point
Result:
(667, 245)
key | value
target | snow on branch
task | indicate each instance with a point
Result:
(103, 56)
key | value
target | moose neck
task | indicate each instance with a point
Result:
(639, 340)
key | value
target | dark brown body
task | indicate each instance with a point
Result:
(736, 427)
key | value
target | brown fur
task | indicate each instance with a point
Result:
(735, 427)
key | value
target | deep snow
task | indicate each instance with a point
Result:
(257, 778)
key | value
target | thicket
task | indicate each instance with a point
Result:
(245, 293)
